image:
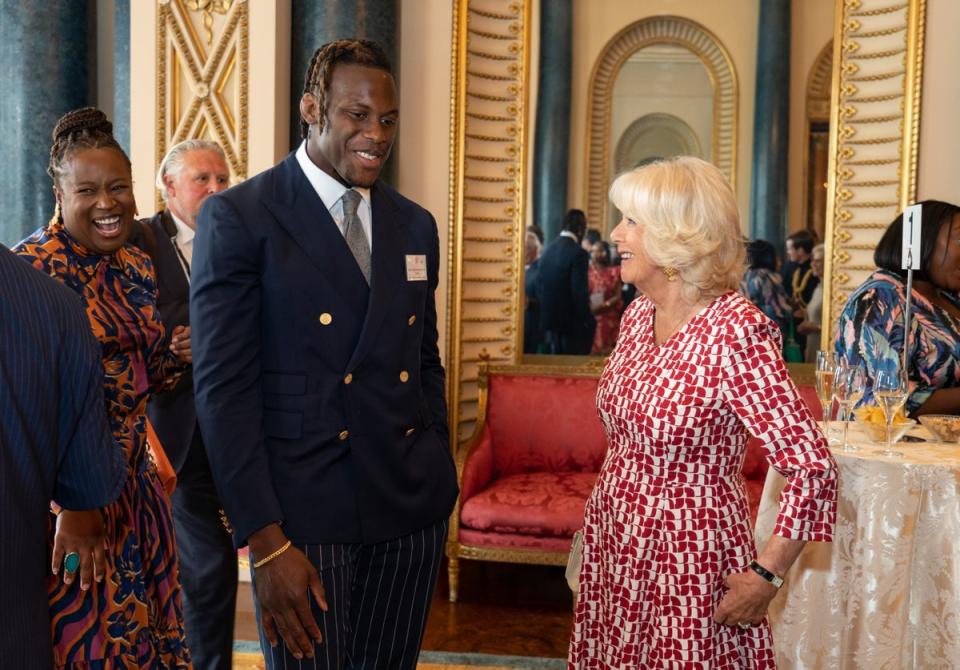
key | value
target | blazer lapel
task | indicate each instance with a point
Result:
(301, 212)
(386, 269)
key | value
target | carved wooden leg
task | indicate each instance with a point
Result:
(453, 577)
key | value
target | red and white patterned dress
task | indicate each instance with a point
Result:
(668, 518)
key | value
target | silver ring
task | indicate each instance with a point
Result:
(743, 624)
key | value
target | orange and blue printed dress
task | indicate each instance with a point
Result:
(134, 617)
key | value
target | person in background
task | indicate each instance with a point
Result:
(671, 575)
(132, 617)
(55, 444)
(870, 329)
(606, 298)
(562, 290)
(191, 172)
(761, 284)
(532, 337)
(810, 326)
(319, 384)
(799, 281)
(591, 237)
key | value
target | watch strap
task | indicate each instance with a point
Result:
(766, 574)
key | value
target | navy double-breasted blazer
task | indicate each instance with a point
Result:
(321, 400)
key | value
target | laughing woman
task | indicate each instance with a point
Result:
(671, 576)
(113, 589)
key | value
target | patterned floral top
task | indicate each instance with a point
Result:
(762, 287)
(133, 618)
(870, 332)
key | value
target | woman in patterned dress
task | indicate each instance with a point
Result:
(670, 575)
(124, 611)
(761, 284)
(606, 299)
(870, 331)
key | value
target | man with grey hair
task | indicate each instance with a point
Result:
(191, 172)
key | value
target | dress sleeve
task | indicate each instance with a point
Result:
(758, 388)
(871, 334)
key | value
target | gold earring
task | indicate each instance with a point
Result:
(670, 272)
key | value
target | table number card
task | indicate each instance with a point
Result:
(911, 238)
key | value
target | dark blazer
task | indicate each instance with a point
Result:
(564, 294)
(321, 400)
(172, 412)
(55, 444)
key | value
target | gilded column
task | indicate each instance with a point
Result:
(552, 134)
(47, 56)
(768, 195)
(316, 22)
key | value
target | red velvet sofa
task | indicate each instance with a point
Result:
(534, 455)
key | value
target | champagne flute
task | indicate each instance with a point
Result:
(890, 389)
(849, 384)
(826, 367)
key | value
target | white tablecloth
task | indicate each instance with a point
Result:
(886, 592)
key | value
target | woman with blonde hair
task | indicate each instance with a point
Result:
(670, 575)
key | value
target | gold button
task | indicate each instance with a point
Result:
(348, 378)
(404, 376)
(344, 434)
(412, 320)
(326, 319)
(408, 432)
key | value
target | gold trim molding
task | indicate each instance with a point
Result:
(200, 92)
(488, 136)
(673, 30)
(874, 137)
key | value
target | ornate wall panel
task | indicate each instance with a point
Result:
(878, 51)
(202, 68)
(488, 137)
(657, 30)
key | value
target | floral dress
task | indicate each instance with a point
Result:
(668, 519)
(870, 332)
(762, 287)
(605, 283)
(133, 618)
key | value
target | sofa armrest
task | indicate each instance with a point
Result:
(475, 464)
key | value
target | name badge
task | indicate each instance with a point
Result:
(416, 267)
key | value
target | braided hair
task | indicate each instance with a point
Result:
(85, 128)
(320, 70)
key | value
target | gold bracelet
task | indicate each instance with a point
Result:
(264, 561)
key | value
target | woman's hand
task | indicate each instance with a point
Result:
(747, 600)
(81, 533)
(180, 344)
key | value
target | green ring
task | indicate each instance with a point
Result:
(71, 562)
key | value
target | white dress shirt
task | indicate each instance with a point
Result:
(331, 193)
(184, 243)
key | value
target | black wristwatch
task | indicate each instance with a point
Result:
(766, 574)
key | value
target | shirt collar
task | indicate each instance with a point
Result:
(328, 188)
(567, 233)
(184, 232)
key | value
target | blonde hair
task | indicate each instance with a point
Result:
(690, 219)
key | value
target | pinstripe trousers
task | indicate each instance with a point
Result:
(378, 597)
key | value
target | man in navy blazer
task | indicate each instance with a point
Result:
(191, 172)
(563, 292)
(55, 444)
(319, 386)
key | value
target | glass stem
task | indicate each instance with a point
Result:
(889, 434)
(846, 423)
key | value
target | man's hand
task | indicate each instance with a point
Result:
(282, 588)
(180, 344)
(80, 533)
(747, 600)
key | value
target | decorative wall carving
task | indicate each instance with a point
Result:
(657, 30)
(874, 124)
(202, 84)
(488, 136)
